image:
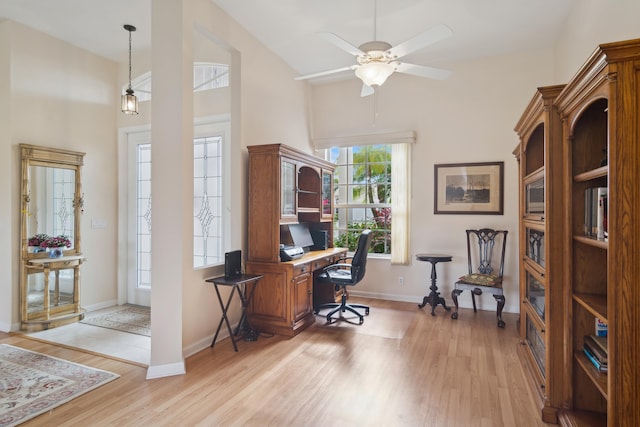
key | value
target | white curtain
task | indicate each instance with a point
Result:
(400, 203)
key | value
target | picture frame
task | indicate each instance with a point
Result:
(469, 188)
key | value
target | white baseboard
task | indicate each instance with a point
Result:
(206, 342)
(168, 370)
(7, 327)
(418, 300)
(99, 306)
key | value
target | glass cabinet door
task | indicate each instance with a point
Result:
(536, 294)
(535, 246)
(534, 197)
(288, 189)
(327, 205)
(536, 343)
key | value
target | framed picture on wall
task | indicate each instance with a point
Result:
(469, 188)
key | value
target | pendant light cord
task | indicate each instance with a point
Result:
(129, 59)
(375, 19)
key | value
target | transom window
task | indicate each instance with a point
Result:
(206, 76)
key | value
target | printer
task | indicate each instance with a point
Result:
(289, 253)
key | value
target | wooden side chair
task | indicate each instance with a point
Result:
(485, 253)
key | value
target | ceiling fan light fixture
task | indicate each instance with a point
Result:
(375, 73)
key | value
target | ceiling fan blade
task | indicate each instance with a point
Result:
(420, 41)
(422, 71)
(326, 73)
(341, 43)
(366, 90)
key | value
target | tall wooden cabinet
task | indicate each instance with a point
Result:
(600, 114)
(600, 110)
(287, 186)
(541, 251)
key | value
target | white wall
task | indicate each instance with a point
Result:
(467, 118)
(9, 190)
(61, 96)
(591, 23)
(267, 106)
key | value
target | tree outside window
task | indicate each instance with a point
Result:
(362, 191)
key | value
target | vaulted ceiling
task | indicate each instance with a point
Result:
(290, 28)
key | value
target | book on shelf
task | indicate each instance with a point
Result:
(598, 347)
(601, 328)
(596, 213)
(594, 360)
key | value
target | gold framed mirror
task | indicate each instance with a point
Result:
(51, 204)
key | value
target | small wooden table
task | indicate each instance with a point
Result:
(434, 297)
(235, 283)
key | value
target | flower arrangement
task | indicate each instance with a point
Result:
(38, 239)
(57, 242)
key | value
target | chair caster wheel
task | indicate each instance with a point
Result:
(361, 321)
(501, 324)
(454, 315)
(366, 312)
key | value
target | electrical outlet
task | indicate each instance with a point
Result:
(400, 280)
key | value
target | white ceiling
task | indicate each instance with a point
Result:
(290, 28)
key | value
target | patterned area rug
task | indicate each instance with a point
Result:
(33, 383)
(132, 319)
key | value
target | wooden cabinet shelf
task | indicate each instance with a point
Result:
(580, 418)
(595, 304)
(598, 378)
(591, 241)
(600, 172)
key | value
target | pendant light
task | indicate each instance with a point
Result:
(129, 100)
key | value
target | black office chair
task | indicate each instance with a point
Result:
(485, 270)
(345, 274)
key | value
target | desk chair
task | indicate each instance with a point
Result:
(345, 274)
(485, 269)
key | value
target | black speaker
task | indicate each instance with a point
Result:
(320, 240)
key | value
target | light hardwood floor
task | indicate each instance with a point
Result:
(442, 372)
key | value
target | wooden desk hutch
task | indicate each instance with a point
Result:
(287, 186)
(574, 139)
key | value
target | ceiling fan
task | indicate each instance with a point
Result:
(377, 60)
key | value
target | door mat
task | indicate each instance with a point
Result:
(131, 319)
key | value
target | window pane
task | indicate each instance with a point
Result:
(362, 191)
(143, 232)
(207, 201)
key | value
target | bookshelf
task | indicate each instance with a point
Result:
(541, 254)
(600, 112)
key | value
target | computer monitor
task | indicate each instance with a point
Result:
(300, 235)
